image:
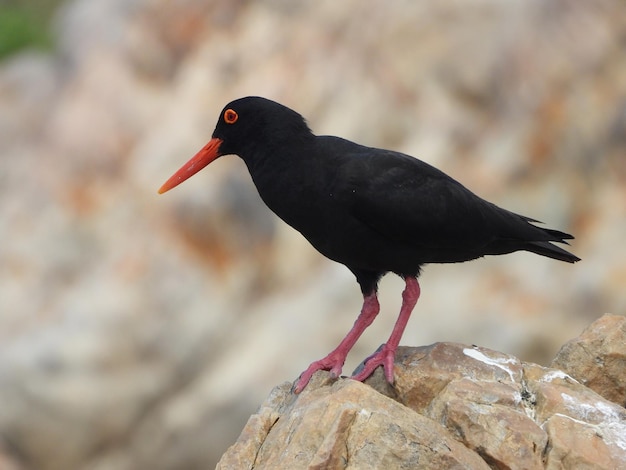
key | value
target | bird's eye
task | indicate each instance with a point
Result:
(230, 116)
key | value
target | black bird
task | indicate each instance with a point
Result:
(375, 211)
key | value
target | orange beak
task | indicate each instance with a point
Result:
(201, 159)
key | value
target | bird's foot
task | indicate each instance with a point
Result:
(333, 363)
(384, 356)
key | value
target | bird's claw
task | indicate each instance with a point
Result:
(330, 363)
(384, 356)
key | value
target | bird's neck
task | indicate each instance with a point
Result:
(276, 156)
(281, 172)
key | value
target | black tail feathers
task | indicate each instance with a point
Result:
(552, 251)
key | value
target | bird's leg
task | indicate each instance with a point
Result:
(335, 360)
(385, 356)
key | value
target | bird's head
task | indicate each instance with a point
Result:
(245, 127)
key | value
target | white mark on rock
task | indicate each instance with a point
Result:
(499, 362)
(606, 418)
(557, 374)
(598, 411)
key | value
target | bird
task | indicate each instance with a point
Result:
(375, 211)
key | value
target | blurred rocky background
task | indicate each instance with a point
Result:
(140, 331)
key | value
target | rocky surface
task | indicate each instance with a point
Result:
(597, 358)
(452, 406)
(141, 331)
(344, 425)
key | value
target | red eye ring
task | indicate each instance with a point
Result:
(230, 116)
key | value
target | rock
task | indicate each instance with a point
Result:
(451, 406)
(491, 422)
(584, 430)
(343, 424)
(597, 358)
(442, 363)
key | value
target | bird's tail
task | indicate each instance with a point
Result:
(545, 248)
(551, 251)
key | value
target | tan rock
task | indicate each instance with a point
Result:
(452, 405)
(477, 394)
(423, 372)
(244, 453)
(507, 410)
(597, 358)
(584, 429)
(490, 419)
(577, 445)
(343, 425)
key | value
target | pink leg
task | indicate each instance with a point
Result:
(335, 360)
(387, 353)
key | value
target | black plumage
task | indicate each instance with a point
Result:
(373, 210)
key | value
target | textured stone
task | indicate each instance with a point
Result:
(490, 419)
(597, 358)
(423, 372)
(344, 425)
(506, 413)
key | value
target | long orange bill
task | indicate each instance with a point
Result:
(201, 159)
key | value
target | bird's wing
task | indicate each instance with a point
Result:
(411, 202)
